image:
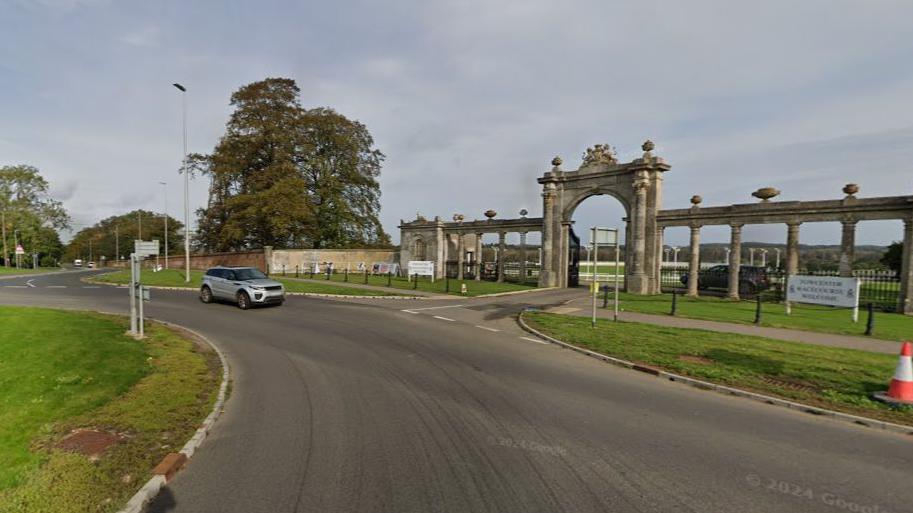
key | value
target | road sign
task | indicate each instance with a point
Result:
(605, 235)
(20, 250)
(421, 267)
(144, 248)
(824, 290)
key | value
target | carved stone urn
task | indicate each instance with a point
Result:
(696, 200)
(850, 189)
(766, 193)
(490, 214)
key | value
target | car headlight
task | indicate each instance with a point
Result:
(257, 287)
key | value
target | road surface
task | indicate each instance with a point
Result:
(446, 406)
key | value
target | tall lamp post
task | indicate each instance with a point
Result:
(165, 188)
(186, 185)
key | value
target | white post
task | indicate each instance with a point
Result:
(133, 294)
(615, 314)
(856, 308)
(595, 284)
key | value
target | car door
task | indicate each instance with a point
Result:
(218, 283)
(228, 284)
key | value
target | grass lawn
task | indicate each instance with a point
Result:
(175, 278)
(61, 371)
(833, 378)
(888, 326)
(13, 271)
(474, 288)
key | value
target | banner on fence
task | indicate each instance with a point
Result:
(823, 290)
(421, 267)
(384, 268)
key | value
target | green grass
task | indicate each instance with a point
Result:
(888, 326)
(474, 288)
(175, 278)
(14, 271)
(834, 378)
(65, 370)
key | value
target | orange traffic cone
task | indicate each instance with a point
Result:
(901, 389)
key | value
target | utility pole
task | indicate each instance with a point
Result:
(139, 221)
(116, 244)
(6, 254)
(165, 185)
(16, 245)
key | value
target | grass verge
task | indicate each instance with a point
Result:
(832, 378)
(473, 288)
(6, 271)
(67, 371)
(888, 326)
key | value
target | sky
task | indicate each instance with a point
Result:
(470, 100)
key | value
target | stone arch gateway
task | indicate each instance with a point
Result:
(637, 185)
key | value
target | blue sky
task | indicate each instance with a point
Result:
(470, 100)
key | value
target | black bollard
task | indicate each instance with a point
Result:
(389, 277)
(446, 282)
(283, 269)
(605, 296)
(870, 323)
(345, 276)
(366, 275)
(414, 281)
(329, 271)
(674, 302)
(757, 312)
(296, 270)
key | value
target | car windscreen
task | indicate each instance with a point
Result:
(249, 274)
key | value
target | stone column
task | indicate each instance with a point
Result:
(637, 283)
(792, 249)
(461, 256)
(522, 257)
(735, 261)
(906, 269)
(501, 249)
(547, 272)
(695, 260)
(847, 248)
(478, 257)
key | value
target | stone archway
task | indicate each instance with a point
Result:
(637, 185)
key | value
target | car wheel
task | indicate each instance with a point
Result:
(206, 295)
(243, 300)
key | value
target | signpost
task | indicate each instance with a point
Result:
(421, 268)
(138, 293)
(606, 237)
(824, 290)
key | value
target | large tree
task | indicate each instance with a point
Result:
(285, 176)
(117, 233)
(893, 256)
(28, 213)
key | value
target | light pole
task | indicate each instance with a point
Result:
(165, 188)
(186, 185)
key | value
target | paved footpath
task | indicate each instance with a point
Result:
(356, 285)
(580, 307)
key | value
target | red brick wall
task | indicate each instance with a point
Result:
(256, 258)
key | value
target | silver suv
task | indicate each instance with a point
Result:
(246, 286)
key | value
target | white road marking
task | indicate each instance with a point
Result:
(413, 310)
(92, 287)
(30, 284)
(15, 286)
(486, 328)
(56, 286)
(409, 311)
(443, 318)
(534, 340)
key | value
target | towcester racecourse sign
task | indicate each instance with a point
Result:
(824, 290)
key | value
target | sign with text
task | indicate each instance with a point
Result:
(823, 290)
(144, 248)
(604, 235)
(421, 267)
(20, 250)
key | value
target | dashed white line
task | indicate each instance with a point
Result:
(534, 340)
(15, 286)
(91, 287)
(413, 310)
(443, 318)
(56, 286)
(486, 328)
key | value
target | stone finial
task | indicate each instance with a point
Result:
(419, 217)
(490, 214)
(458, 218)
(851, 189)
(647, 145)
(523, 212)
(600, 154)
(556, 162)
(766, 193)
(696, 200)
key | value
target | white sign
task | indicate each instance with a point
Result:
(605, 235)
(823, 290)
(20, 250)
(144, 248)
(421, 268)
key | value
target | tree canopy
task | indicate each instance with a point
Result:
(893, 256)
(286, 176)
(29, 213)
(105, 237)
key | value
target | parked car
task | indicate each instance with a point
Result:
(752, 279)
(77, 263)
(91, 265)
(245, 286)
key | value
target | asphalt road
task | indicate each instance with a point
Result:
(359, 406)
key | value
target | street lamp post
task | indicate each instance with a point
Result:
(186, 184)
(165, 186)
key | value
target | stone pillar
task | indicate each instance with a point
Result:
(547, 271)
(695, 260)
(792, 249)
(461, 256)
(478, 257)
(847, 248)
(735, 261)
(522, 257)
(906, 269)
(501, 249)
(637, 282)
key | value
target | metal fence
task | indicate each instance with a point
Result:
(881, 288)
(513, 271)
